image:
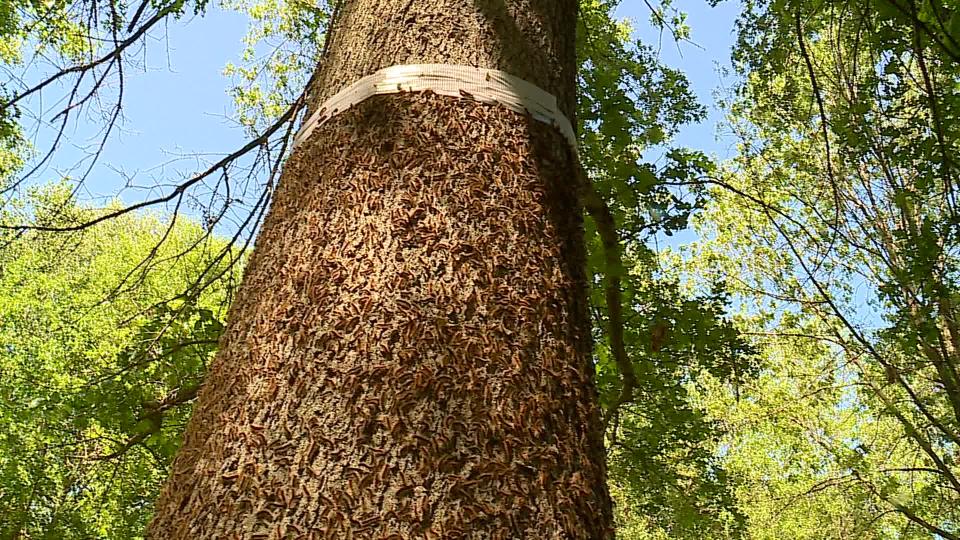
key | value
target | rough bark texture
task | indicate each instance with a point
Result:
(409, 353)
(530, 39)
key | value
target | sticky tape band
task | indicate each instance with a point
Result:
(485, 85)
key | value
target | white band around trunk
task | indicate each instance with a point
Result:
(484, 85)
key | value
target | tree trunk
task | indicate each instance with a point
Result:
(409, 355)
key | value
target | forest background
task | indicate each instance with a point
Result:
(781, 176)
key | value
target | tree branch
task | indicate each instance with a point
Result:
(613, 260)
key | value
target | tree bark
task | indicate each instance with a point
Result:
(409, 355)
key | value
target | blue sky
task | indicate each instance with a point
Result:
(712, 34)
(176, 110)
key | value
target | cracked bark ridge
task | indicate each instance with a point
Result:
(409, 356)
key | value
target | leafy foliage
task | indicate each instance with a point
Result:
(281, 50)
(94, 382)
(118, 379)
(661, 445)
(836, 225)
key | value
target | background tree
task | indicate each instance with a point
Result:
(629, 106)
(837, 224)
(96, 377)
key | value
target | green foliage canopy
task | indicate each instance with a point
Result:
(98, 362)
(126, 370)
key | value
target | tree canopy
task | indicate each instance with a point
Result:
(793, 371)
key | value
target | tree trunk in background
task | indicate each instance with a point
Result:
(409, 355)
